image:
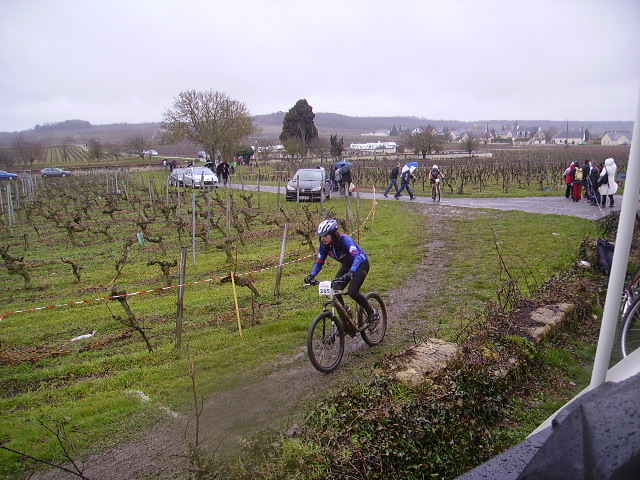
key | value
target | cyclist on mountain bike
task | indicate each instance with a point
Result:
(435, 175)
(354, 260)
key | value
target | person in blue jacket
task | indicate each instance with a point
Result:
(353, 259)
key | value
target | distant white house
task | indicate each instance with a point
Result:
(503, 136)
(529, 136)
(375, 147)
(616, 138)
(575, 137)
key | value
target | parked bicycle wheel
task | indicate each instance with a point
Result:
(373, 335)
(630, 329)
(325, 342)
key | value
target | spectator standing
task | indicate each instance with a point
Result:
(607, 182)
(337, 176)
(576, 185)
(346, 182)
(222, 171)
(393, 179)
(568, 178)
(406, 177)
(586, 171)
(593, 185)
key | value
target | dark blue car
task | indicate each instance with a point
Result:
(7, 176)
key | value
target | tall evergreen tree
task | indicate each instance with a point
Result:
(298, 123)
(336, 145)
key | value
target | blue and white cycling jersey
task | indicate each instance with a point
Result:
(345, 250)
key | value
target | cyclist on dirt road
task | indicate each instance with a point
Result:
(354, 260)
(434, 174)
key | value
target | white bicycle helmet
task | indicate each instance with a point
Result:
(327, 226)
(435, 167)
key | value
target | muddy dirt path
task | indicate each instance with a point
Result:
(279, 399)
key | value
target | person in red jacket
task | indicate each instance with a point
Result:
(568, 178)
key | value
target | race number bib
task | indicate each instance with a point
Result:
(325, 288)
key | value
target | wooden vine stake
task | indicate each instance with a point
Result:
(373, 208)
(280, 266)
(180, 302)
(235, 299)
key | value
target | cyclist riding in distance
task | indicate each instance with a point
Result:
(354, 263)
(434, 174)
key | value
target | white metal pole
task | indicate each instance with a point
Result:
(620, 258)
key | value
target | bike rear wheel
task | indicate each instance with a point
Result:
(630, 329)
(325, 342)
(373, 335)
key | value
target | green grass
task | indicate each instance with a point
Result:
(491, 247)
(87, 386)
(47, 377)
(564, 369)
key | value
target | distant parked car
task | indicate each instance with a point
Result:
(176, 177)
(54, 172)
(7, 176)
(308, 184)
(150, 153)
(197, 177)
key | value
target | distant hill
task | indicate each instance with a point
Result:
(337, 122)
(81, 131)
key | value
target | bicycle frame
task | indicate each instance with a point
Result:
(326, 289)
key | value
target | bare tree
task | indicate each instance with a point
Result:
(424, 140)
(471, 142)
(96, 149)
(6, 159)
(294, 146)
(137, 144)
(28, 152)
(210, 119)
(549, 133)
(321, 147)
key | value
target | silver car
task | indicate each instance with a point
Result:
(54, 172)
(197, 177)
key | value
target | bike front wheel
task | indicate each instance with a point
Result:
(373, 334)
(325, 342)
(630, 329)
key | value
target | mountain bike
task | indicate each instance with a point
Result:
(326, 335)
(435, 190)
(629, 337)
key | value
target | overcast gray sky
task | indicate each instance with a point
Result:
(113, 61)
